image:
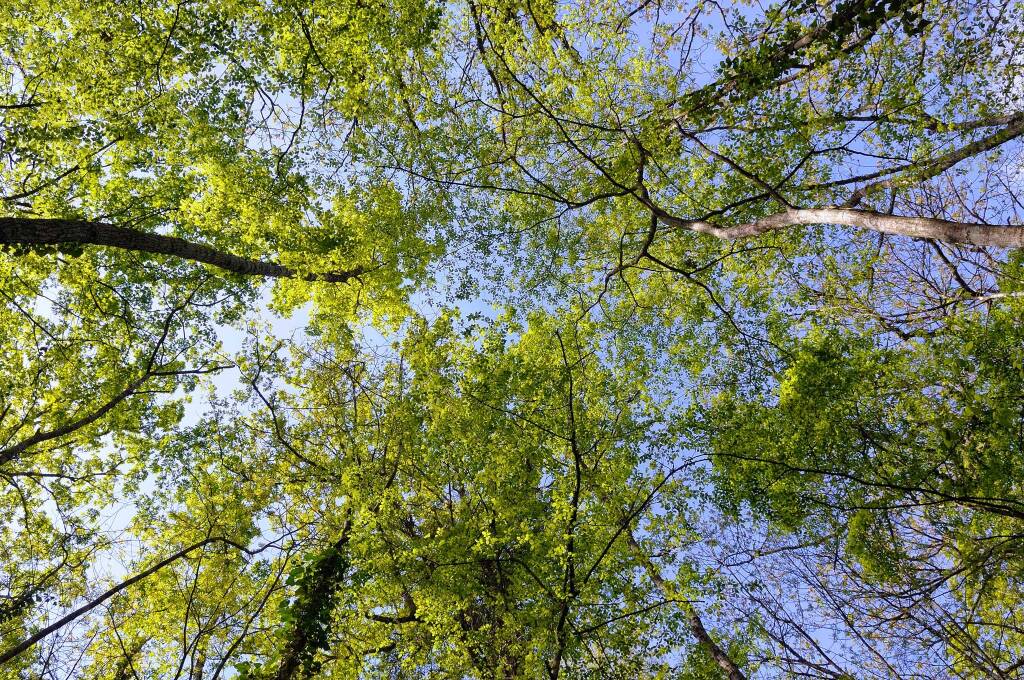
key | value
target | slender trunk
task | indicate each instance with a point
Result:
(198, 662)
(14, 452)
(931, 168)
(30, 231)
(11, 652)
(757, 70)
(704, 639)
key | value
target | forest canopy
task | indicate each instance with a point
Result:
(511, 339)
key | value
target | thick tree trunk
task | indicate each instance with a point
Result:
(31, 231)
(998, 236)
(315, 599)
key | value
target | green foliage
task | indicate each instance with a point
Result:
(555, 421)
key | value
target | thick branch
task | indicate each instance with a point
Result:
(29, 231)
(998, 236)
(314, 608)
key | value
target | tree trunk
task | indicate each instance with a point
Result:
(993, 235)
(10, 653)
(704, 639)
(31, 231)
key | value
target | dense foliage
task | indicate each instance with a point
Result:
(501, 339)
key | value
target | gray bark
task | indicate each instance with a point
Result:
(994, 235)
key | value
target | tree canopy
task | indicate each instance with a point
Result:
(511, 339)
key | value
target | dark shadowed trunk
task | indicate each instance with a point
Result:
(21, 231)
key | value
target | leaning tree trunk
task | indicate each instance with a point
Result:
(992, 235)
(20, 231)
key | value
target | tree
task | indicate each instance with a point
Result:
(638, 340)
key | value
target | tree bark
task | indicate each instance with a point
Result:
(757, 70)
(1014, 128)
(993, 235)
(300, 649)
(32, 231)
(8, 654)
(704, 639)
